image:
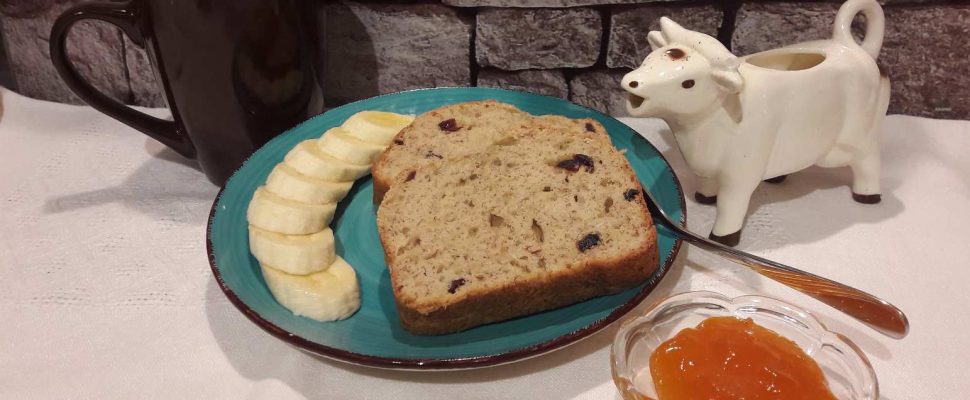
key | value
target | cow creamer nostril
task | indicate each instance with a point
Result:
(633, 84)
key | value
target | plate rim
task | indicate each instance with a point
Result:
(425, 364)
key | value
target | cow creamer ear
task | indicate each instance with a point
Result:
(656, 40)
(728, 78)
(672, 31)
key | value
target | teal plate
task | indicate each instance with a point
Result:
(373, 336)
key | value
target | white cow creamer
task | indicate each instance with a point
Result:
(741, 120)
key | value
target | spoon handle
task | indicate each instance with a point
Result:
(870, 310)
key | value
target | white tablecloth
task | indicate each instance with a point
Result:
(105, 291)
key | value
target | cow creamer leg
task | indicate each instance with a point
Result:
(706, 200)
(732, 206)
(706, 191)
(729, 240)
(866, 170)
(776, 180)
(865, 178)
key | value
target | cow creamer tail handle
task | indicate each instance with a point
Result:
(875, 25)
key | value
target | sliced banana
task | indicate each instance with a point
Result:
(276, 214)
(376, 126)
(339, 144)
(293, 254)
(289, 183)
(288, 217)
(307, 159)
(324, 296)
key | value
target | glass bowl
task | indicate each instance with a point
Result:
(849, 374)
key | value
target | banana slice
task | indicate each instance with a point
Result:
(307, 159)
(293, 254)
(376, 126)
(276, 214)
(339, 144)
(288, 183)
(324, 296)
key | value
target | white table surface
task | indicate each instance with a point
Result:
(105, 289)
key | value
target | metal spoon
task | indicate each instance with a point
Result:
(870, 310)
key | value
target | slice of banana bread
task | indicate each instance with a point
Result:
(541, 219)
(461, 129)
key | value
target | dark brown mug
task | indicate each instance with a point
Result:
(235, 73)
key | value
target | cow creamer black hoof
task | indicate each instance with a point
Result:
(776, 180)
(867, 198)
(729, 240)
(700, 198)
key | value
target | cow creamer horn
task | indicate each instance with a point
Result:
(739, 121)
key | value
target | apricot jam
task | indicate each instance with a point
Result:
(727, 358)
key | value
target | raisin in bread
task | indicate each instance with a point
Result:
(461, 129)
(542, 219)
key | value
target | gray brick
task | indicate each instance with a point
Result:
(628, 29)
(764, 26)
(599, 90)
(540, 3)
(514, 39)
(25, 8)
(95, 48)
(369, 49)
(925, 52)
(546, 82)
(145, 90)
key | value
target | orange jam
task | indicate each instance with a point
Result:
(726, 358)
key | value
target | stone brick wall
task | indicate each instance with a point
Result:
(576, 49)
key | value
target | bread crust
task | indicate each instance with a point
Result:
(529, 297)
(380, 189)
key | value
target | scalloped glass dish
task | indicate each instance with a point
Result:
(845, 366)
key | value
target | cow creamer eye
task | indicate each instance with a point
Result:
(676, 54)
(687, 84)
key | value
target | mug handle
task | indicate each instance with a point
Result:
(125, 17)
